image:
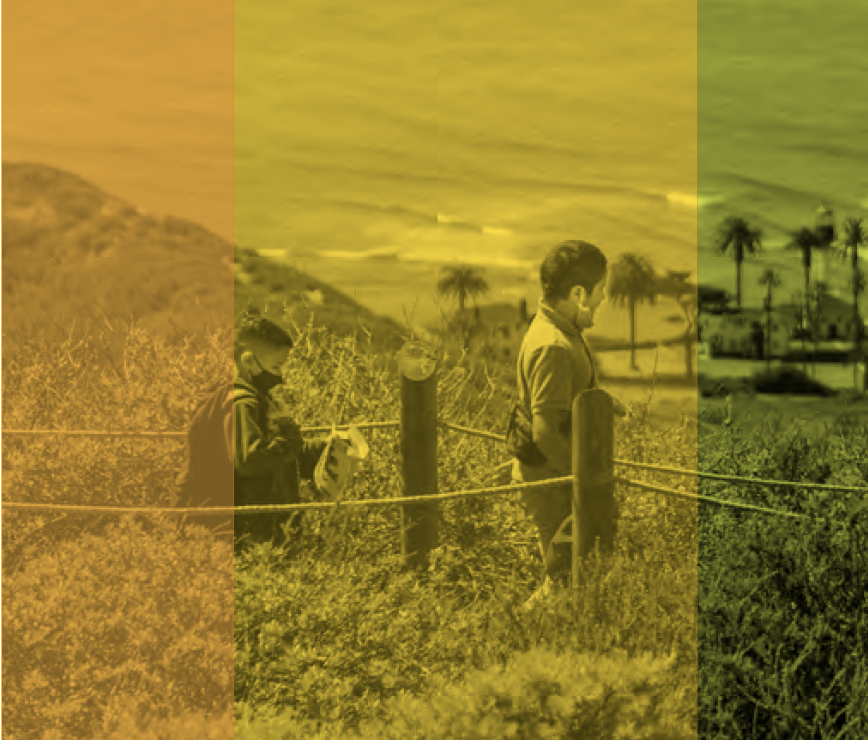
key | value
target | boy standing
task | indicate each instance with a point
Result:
(233, 457)
(554, 366)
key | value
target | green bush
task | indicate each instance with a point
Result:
(782, 605)
(782, 632)
(723, 387)
(540, 694)
(121, 628)
(138, 618)
(789, 380)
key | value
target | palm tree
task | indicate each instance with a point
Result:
(685, 295)
(805, 240)
(854, 238)
(632, 282)
(462, 282)
(771, 280)
(858, 283)
(824, 229)
(799, 301)
(821, 291)
(737, 236)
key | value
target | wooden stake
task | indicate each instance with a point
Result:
(419, 525)
(593, 446)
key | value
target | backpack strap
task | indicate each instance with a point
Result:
(242, 394)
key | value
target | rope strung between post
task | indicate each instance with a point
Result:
(89, 433)
(465, 430)
(740, 479)
(410, 500)
(278, 508)
(686, 471)
(375, 503)
(175, 435)
(181, 434)
(706, 499)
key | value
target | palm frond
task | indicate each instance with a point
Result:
(632, 280)
(736, 235)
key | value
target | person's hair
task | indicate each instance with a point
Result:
(571, 263)
(252, 328)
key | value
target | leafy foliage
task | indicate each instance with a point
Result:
(783, 613)
(119, 629)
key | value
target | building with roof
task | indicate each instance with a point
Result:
(734, 332)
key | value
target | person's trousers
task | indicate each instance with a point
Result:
(268, 527)
(550, 508)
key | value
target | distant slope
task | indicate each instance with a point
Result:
(73, 251)
(286, 292)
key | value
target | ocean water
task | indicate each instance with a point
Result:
(783, 126)
(374, 147)
(372, 143)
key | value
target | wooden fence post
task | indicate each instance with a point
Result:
(419, 522)
(593, 447)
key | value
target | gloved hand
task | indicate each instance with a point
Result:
(290, 432)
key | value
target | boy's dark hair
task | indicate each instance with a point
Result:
(251, 326)
(571, 263)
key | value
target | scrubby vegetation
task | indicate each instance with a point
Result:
(783, 603)
(138, 629)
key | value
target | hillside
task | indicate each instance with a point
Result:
(71, 251)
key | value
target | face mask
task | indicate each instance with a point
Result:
(582, 317)
(265, 380)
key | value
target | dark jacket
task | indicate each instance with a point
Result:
(236, 456)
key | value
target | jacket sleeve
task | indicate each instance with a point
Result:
(252, 453)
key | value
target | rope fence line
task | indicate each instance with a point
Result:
(686, 471)
(741, 479)
(88, 433)
(182, 434)
(173, 435)
(409, 500)
(689, 472)
(374, 503)
(279, 508)
(708, 499)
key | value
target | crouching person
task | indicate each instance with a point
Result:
(235, 457)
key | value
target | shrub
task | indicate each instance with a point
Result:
(789, 380)
(121, 628)
(540, 694)
(139, 617)
(782, 601)
(782, 632)
(723, 387)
